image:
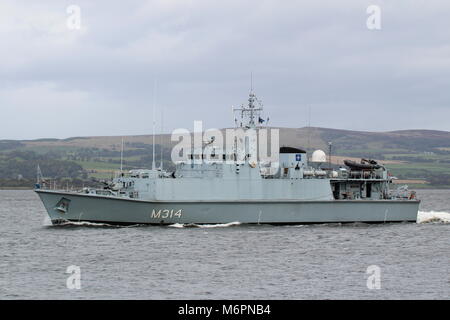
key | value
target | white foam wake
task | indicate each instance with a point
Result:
(78, 224)
(87, 223)
(193, 225)
(433, 216)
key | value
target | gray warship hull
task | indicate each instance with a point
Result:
(122, 211)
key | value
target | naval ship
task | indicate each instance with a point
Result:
(230, 186)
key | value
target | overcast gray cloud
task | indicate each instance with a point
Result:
(58, 82)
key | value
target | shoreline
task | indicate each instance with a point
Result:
(412, 187)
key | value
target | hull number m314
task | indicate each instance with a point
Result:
(166, 213)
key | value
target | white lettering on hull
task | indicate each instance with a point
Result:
(166, 213)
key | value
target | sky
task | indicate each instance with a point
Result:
(313, 62)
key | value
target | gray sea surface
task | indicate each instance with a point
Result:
(224, 261)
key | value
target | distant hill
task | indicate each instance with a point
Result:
(312, 137)
(422, 155)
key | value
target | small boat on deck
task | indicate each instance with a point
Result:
(363, 165)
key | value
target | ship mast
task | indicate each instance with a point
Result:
(121, 158)
(250, 121)
(251, 114)
(154, 123)
(38, 175)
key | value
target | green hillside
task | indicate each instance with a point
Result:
(422, 155)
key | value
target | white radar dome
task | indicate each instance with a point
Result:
(319, 156)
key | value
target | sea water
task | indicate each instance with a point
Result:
(227, 261)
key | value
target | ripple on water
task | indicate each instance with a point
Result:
(224, 261)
